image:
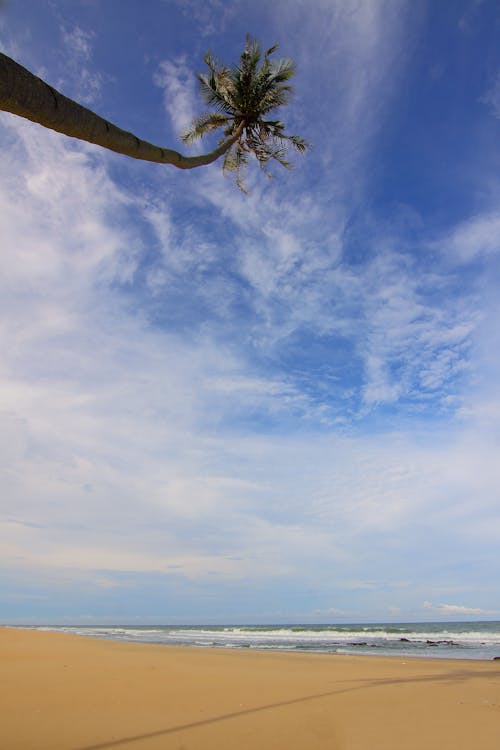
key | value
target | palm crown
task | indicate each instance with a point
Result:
(243, 96)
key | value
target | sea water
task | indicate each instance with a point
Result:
(455, 640)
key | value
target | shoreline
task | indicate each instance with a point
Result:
(252, 649)
(444, 640)
(69, 692)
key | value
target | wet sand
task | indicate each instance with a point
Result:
(64, 692)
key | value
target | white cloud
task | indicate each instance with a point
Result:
(78, 42)
(177, 80)
(64, 555)
(457, 609)
(492, 97)
(403, 322)
(478, 236)
(212, 16)
(361, 51)
(84, 82)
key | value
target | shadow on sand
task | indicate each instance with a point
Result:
(451, 677)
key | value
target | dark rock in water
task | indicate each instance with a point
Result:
(358, 643)
(496, 658)
(404, 640)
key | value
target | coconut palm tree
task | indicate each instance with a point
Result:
(24, 94)
(243, 97)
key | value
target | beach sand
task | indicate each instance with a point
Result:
(67, 692)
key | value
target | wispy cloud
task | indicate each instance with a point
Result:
(492, 97)
(457, 609)
(78, 42)
(86, 83)
(211, 16)
(476, 237)
(177, 80)
(360, 54)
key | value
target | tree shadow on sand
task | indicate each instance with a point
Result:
(445, 677)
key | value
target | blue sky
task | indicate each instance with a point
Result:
(267, 408)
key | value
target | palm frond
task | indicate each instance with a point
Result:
(204, 124)
(270, 51)
(235, 161)
(282, 70)
(235, 158)
(275, 128)
(250, 57)
(216, 92)
(216, 85)
(298, 143)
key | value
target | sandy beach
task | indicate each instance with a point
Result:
(63, 691)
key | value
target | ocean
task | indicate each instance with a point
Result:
(449, 640)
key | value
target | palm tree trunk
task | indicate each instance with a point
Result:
(26, 95)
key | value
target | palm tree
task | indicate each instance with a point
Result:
(243, 96)
(24, 94)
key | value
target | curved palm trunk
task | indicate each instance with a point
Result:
(26, 95)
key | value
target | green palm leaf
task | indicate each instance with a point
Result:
(204, 124)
